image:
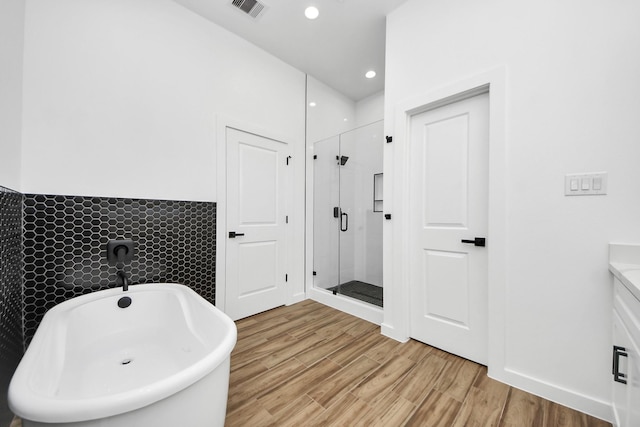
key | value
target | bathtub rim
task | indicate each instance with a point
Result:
(49, 409)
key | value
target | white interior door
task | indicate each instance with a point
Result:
(449, 204)
(256, 223)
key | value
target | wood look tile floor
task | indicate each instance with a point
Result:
(311, 365)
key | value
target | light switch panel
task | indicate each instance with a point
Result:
(585, 184)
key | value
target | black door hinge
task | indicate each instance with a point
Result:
(315, 274)
(286, 219)
(389, 139)
(286, 277)
(315, 156)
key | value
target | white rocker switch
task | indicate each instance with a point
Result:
(597, 183)
(586, 184)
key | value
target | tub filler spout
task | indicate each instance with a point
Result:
(125, 281)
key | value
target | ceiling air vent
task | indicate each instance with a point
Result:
(252, 8)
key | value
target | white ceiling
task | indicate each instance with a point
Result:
(337, 48)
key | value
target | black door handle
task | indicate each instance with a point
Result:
(233, 234)
(478, 241)
(617, 375)
(346, 223)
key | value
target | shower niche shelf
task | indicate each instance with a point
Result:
(377, 192)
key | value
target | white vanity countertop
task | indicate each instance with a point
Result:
(624, 263)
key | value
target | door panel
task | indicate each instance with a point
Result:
(257, 188)
(445, 174)
(446, 287)
(258, 271)
(258, 192)
(449, 203)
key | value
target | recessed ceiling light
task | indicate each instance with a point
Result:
(370, 74)
(312, 104)
(311, 12)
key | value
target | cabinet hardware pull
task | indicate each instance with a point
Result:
(617, 375)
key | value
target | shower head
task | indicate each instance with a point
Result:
(343, 160)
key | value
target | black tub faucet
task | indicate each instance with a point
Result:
(125, 281)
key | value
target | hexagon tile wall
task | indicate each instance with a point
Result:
(10, 292)
(65, 238)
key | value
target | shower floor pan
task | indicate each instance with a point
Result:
(362, 291)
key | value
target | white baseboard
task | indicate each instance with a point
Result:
(555, 393)
(391, 332)
(365, 311)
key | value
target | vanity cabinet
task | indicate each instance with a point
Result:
(625, 356)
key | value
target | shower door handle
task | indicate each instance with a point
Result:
(344, 225)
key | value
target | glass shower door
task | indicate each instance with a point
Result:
(347, 217)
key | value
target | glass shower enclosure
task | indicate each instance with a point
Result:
(347, 209)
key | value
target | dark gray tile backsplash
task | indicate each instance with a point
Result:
(65, 239)
(11, 339)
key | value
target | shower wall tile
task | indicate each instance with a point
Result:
(65, 240)
(11, 340)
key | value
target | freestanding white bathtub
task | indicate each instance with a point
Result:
(162, 361)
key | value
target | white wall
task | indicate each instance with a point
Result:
(572, 104)
(370, 109)
(11, 50)
(333, 114)
(121, 96)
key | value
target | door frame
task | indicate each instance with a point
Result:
(292, 292)
(396, 322)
